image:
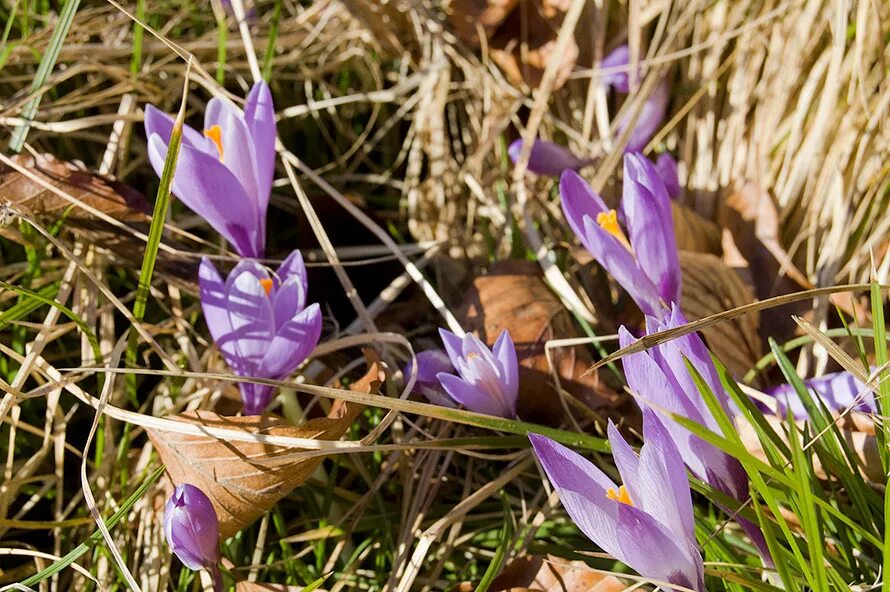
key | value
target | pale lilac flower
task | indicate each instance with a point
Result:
(260, 322)
(646, 523)
(225, 173)
(653, 110)
(547, 158)
(429, 364)
(666, 166)
(488, 379)
(660, 381)
(838, 391)
(192, 530)
(645, 260)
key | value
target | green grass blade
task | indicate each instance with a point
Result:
(47, 63)
(269, 55)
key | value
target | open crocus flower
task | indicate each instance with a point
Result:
(645, 260)
(192, 530)
(647, 522)
(660, 381)
(260, 322)
(488, 380)
(429, 364)
(653, 110)
(224, 173)
(547, 158)
(838, 391)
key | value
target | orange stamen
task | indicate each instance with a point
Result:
(267, 285)
(621, 496)
(215, 135)
(608, 221)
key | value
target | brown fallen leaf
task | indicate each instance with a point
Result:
(548, 573)
(521, 35)
(513, 296)
(237, 476)
(709, 287)
(694, 232)
(97, 191)
(857, 429)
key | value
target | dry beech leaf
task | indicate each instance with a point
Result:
(97, 191)
(694, 232)
(857, 429)
(550, 574)
(513, 296)
(709, 287)
(241, 488)
(521, 35)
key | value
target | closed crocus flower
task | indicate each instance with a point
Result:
(666, 166)
(429, 365)
(660, 381)
(645, 260)
(192, 530)
(225, 172)
(646, 523)
(653, 110)
(487, 380)
(260, 322)
(547, 158)
(838, 391)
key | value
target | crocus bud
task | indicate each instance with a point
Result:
(192, 529)
(547, 158)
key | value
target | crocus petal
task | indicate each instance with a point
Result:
(453, 345)
(505, 352)
(627, 462)
(292, 344)
(472, 397)
(214, 303)
(838, 391)
(255, 397)
(429, 364)
(661, 465)
(654, 552)
(289, 297)
(239, 154)
(294, 266)
(160, 123)
(667, 170)
(622, 265)
(650, 226)
(547, 158)
(651, 116)
(259, 113)
(250, 313)
(210, 190)
(579, 201)
(582, 488)
(617, 58)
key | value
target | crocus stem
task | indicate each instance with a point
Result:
(216, 576)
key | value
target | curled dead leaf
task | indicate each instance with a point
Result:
(709, 287)
(239, 477)
(513, 296)
(857, 429)
(694, 232)
(548, 573)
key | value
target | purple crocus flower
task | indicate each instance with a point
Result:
(225, 173)
(192, 530)
(645, 261)
(429, 364)
(488, 379)
(660, 381)
(547, 158)
(666, 166)
(653, 110)
(839, 391)
(646, 523)
(260, 322)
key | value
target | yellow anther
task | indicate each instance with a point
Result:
(621, 497)
(608, 221)
(267, 285)
(215, 135)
